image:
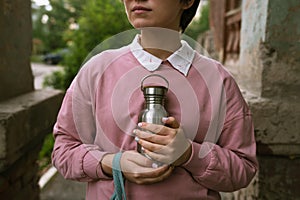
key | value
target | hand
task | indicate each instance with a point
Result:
(137, 168)
(168, 145)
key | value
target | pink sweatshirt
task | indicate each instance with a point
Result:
(101, 108)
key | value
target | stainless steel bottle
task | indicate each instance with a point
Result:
(154, 109)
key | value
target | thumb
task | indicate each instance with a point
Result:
(171, 122)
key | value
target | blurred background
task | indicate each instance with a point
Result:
(43, 44)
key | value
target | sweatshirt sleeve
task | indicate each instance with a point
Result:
(74, 155)
(231, 163)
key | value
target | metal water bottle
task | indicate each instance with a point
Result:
(154, 109)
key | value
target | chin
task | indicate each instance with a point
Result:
(142, 24)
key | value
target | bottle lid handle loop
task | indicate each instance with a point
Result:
(151, 75)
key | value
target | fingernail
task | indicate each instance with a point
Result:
(134, 131)
(140, 124)
(154, 165)
(165, 119)
(136, 139)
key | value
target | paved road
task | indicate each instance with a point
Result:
(40, 71)
(60, 189)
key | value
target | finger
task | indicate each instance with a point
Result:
(150, 172)
(171, 122)
(139, 159)
(154, 128)
(153, 147)
(146, 135)
(160, 178)
(160, 157)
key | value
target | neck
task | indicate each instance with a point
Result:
(160, 42)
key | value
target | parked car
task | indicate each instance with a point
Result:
(55, 57)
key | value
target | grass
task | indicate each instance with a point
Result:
(36, 58)
(44, 160)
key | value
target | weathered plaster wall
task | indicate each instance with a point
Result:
(279, 178)
(269, 68)
(253, 32)
(281, 50)
(270, 48)
(269, 73)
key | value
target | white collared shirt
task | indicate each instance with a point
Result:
(181, 59)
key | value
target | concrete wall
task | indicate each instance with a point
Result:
(269, 73)
(270, 48)
(281, 50)
(269, 68)
(252, 34)
(26, 116)
(24, 122)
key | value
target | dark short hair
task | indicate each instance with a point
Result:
(188, 14)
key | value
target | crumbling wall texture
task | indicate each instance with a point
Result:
(280, 52)
(269, 73)
(20, 180)
(24, 122)
(274, 54)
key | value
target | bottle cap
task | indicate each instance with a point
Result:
(154, 89)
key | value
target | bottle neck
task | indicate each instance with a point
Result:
(154, 106)
(154, 101)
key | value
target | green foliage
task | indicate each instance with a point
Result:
(47, 147)
(99, 20)
(55, 80)
(36, 58)
(39, 31)
(51, 31)
(45, 153)
(200, 25)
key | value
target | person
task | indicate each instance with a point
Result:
(206, 144)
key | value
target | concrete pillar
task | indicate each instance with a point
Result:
(26, 116)
(269, 71)
(270, 48)
(15, 47)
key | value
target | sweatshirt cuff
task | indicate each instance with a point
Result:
(92, 166)
(200, 158)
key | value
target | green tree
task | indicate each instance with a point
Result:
(63, 13)
(39, 30)
(99, 21)
(59, 18)
(199, 25)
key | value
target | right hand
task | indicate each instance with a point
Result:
(138, 169)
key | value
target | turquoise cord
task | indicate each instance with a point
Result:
(119, 191)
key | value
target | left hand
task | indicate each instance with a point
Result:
(168, 144)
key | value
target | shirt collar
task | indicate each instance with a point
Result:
(181, 59)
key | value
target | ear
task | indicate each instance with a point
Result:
(187, 4)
